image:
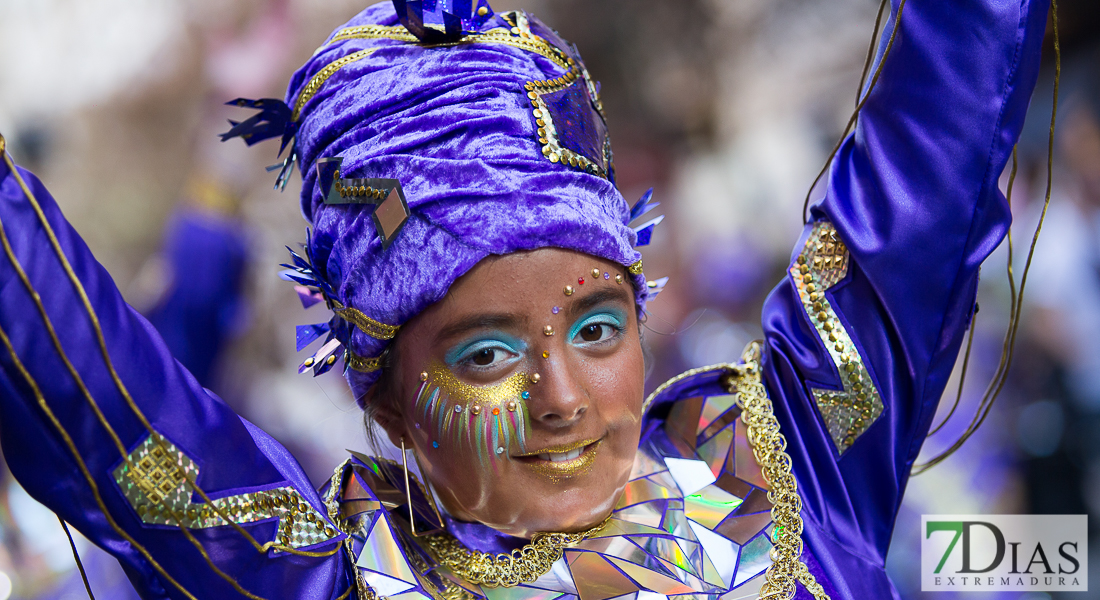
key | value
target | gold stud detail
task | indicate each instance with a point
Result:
(475, 409)
(511, 406)
(548, 330)
(618, 279)
(535, 377)
(546, 354)
(331, 359)
(423, 376)
(568, 290)
(481, 12)
(595, 272)
(308, 362)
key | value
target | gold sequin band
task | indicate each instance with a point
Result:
(364, 364)
(635, 269)
(364, 323)
(769, 450)
(156, 487)
(322, 76)
(850, 411)
(529, 43)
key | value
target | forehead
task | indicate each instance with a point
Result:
(524, 281)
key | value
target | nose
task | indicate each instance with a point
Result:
(559, 399)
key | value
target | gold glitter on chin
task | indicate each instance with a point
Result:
(566, 469)
(485, 396)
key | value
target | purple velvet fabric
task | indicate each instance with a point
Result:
(455, 126)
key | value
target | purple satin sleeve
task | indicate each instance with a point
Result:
(913, 195)
(233, 457)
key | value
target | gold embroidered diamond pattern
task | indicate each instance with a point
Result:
(157, 488)
(850, 411)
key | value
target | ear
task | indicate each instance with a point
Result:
(386, 410)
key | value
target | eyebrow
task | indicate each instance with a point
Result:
(477, 322)
(581, 305)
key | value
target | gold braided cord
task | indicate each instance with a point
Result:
(322, 76)
(109, 364)
(367, 325)
(522, 565)
(1000, 376)
(636, 268)
(859, 108)
(502, 36)
(769, 448)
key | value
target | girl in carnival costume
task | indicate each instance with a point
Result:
(481, 267)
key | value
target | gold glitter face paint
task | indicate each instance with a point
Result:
(484, 420)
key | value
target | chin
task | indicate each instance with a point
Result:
(562, 508)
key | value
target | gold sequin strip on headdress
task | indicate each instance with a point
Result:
(363, 323)
(322, 76)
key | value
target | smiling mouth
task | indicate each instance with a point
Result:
(563, 462)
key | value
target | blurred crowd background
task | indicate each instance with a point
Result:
(728, 108)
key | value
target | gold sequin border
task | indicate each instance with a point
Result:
(158, 491)
(847, 413)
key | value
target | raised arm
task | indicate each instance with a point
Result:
(864, 332)
(102, 425)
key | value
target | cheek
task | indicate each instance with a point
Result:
(459, 423)
(617, 385)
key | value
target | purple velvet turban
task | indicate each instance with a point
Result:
(458, 124)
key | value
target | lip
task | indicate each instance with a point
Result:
(560, 448)
(565, 469)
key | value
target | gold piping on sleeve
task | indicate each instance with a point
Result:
(101, 341)
(67, 439)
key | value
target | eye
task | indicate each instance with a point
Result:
(483, 355)
(596, 330)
